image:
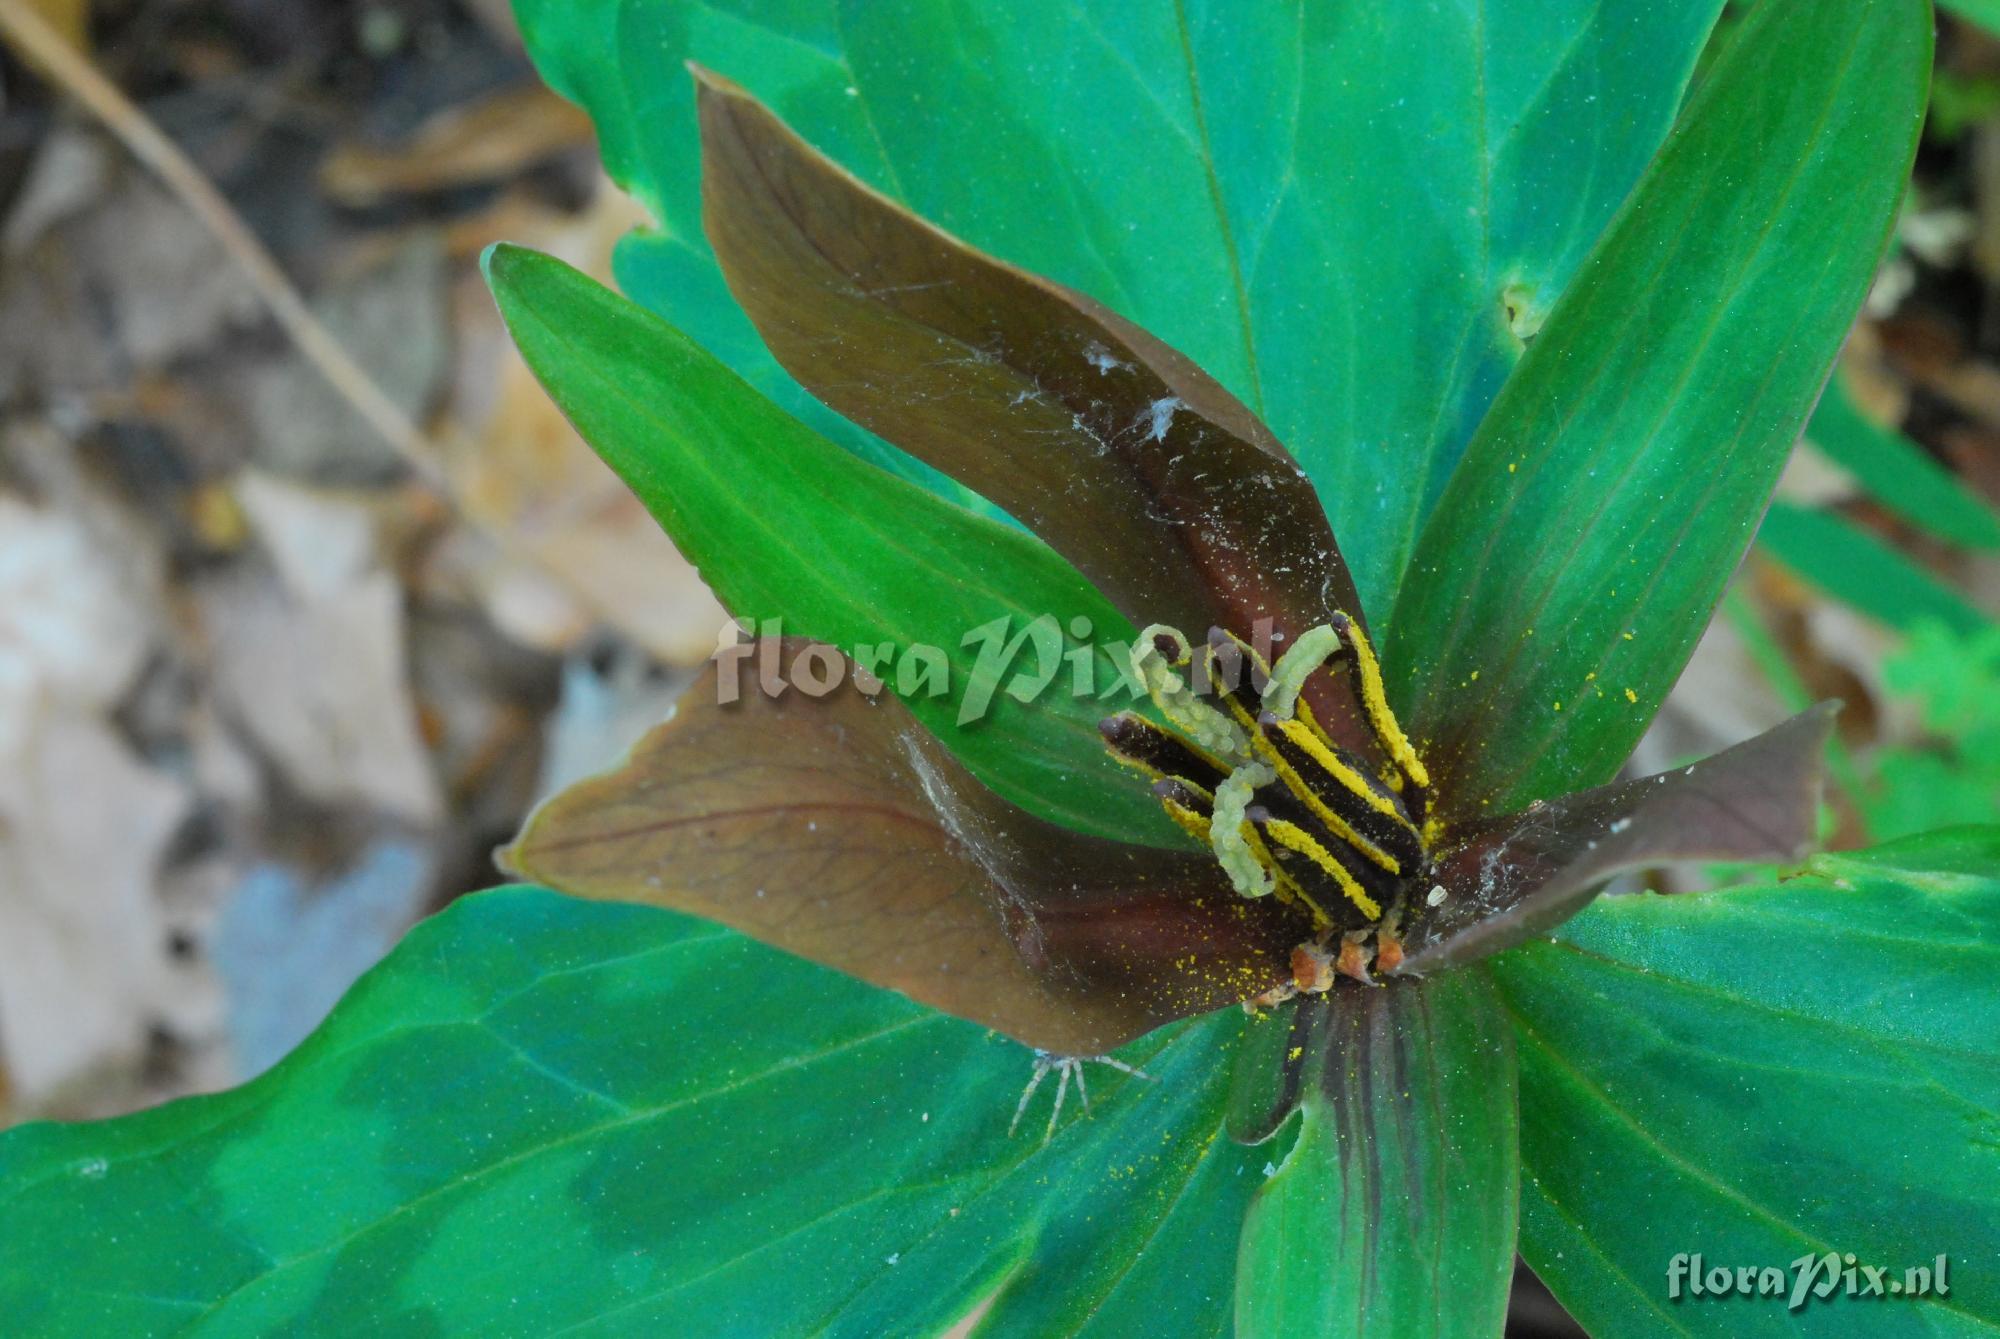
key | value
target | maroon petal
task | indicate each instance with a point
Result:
(837, 828)
(1163, 489)
(1520, 876)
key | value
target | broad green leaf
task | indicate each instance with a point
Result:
(1758, 1074)
(1571, 566)
(1859, 569)
(1919, 789)
(784, 525)
(543, 1116)
(1394, 1213)
(1900, 474)
(1348, 213)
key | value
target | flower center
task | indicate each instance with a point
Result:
(1244, 767)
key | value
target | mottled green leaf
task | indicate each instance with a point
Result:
(544, 1116)
(784, 525)
(1899, 474)
(1347, 213)
(1857, 568)
(1575, 559)
(1757, 1074)
(1394, 1213)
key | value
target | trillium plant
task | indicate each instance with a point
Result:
(1090, 897)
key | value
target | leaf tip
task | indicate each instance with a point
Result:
(510, 858)
(498, 258)
(712, 86)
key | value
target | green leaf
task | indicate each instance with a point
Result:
(1394, 1213)
(784, 525)
(588, 50)
(1953, 774)
(1192, 165)
(540, 1114)
(1757, 1074)
(1899, 474)
(1985, 13)
(1577, 555)
(1857, 568)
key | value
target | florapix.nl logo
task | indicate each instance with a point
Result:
(1023, 659)
(1810, 1278)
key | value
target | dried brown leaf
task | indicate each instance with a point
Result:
(490, 139)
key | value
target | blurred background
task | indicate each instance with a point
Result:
(307, 593)
(275, 674)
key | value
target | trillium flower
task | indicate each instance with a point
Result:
(1541, 358)
(1333, 834)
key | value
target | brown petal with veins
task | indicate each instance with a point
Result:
(838, 829)
(1126, 458)
(1522, 875)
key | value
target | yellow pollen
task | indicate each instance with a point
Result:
(1323, 812)
(1345, 775)
(1295, 838)
(1187, 820)
(1285, 886)
(1377, 703)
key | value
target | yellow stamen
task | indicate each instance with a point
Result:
(1305, 715)
(1152, 773)
(1350, 779)
(1376, 701)
(1295, 838)
(1339, 826)
(1288, 889)
(1187, 820)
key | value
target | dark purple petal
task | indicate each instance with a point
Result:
(837, 828)
(1522, 875)
(1126, 458)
